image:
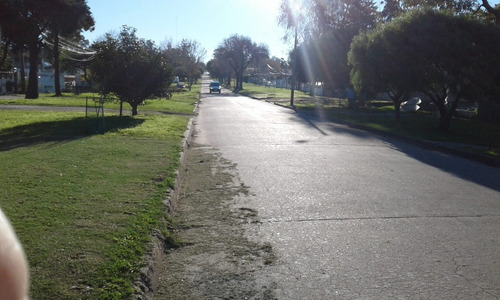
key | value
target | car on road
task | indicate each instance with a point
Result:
(214, 87)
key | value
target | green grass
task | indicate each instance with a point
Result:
(472, 134)
(180, 102)
(85, 206)
(47, 100)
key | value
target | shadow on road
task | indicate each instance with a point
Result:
(217, 94)
(466, 169)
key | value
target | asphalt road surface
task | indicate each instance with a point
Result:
(352, 215)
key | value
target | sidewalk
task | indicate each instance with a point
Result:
(11, 96)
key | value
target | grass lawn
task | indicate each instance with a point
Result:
(85, 206)
(179, 103)
(474, 134)
(262, 92)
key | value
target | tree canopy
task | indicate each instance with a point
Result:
(24, 22)
(219, 68)
(131, 68)
(240, 52)
(186, 59)
(326, 29)
(70, 20)
(444, 56)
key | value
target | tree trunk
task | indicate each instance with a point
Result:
(241, 81)
(32, 91)
(444, 123)
(397, 109)
(454, 99)
(492, 10)
(23, 71)
(445, 116)
(134, 109)
(57, 82)
(397, 99)
(121, 107)
(236, 81)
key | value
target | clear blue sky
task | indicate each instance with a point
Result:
(208, 22)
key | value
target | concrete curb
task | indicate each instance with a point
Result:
(145, 287)
(171, 200)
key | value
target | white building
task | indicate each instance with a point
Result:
(46, 82)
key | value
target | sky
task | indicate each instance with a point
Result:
(209, 22)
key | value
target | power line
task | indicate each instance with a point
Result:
(69, 46)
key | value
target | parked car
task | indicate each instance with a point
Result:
(214, 87)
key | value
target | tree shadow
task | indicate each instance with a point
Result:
(62, 131)
(466, 166)
(312, 118)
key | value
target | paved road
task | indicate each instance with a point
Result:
(352, 215)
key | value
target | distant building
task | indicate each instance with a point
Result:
(7, 82)
(69, 82)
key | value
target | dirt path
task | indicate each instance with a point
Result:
(217, 261)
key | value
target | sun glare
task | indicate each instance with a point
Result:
(296, 6)
(294, 9)
(269, 7)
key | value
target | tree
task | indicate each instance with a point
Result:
(191, 54)
(133, 69)
(463, 64)
(392, 9)
(453, 6)
(382, 62)
(240, 52)
(12, 39)
(481, 8)
(73, 17)
(327, 29)
(186, 59)
(220, 69)
(446, 57)
(24, 22)
(276, 65)
(314, 18)
(5, 62)
(325, 60)
(495, 11)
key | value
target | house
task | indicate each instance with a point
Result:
(46, 79)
